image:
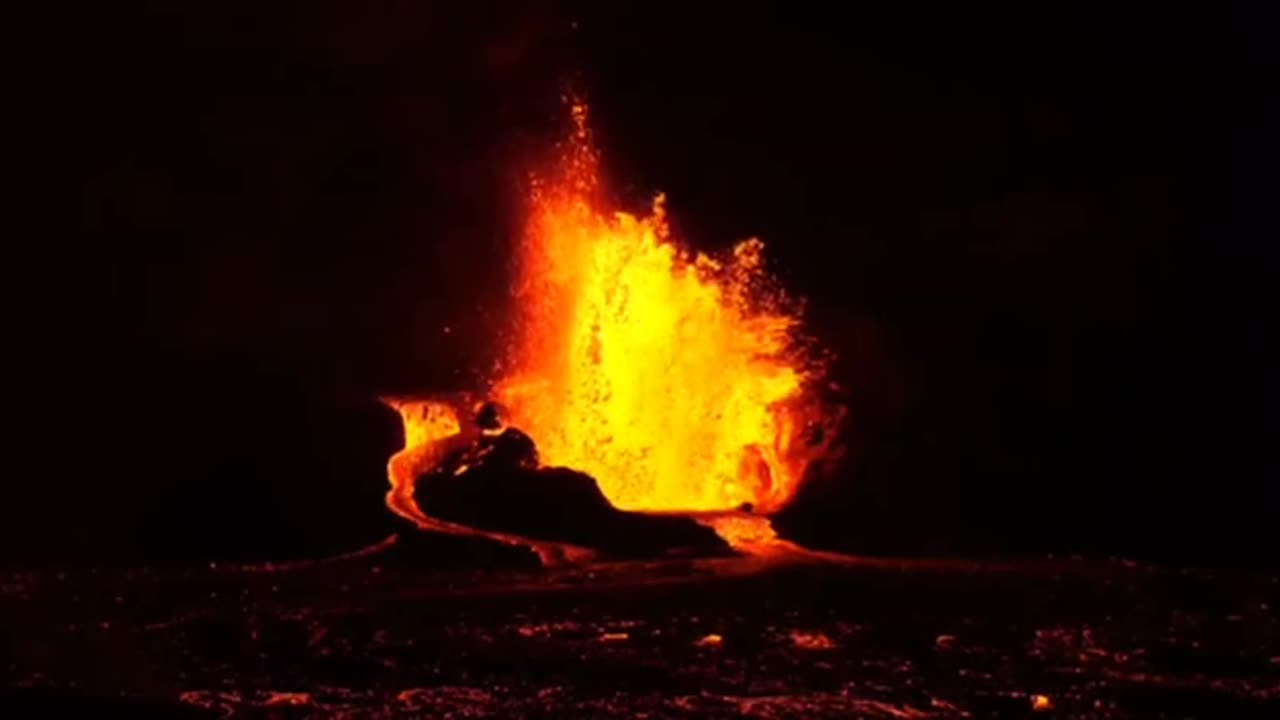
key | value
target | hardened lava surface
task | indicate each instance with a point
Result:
(376, 636)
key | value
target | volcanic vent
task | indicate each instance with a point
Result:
(680, 382)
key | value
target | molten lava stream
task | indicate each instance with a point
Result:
(427, 424)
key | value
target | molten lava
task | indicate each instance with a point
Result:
(427, 425)
(431, 428)
(678, 381)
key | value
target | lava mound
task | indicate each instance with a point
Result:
(559, 505)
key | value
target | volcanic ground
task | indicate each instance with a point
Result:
(436, 626)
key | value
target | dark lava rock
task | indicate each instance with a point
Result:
(442, 551)
(560, 505)
(49, 702)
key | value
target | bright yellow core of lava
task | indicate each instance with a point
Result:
(673, 379)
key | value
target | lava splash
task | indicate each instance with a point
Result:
(680, 381)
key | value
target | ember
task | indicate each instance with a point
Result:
(710, 640)
(811, 640)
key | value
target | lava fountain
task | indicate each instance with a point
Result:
(681, 382)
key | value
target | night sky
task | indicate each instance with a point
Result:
(1042, 246)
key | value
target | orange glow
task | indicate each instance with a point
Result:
(811, 640)
(678, 381)
(427, 424)
(674, 379)
(743, 531)
(431, 427)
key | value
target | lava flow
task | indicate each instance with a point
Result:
(429, 426)
(679, 381)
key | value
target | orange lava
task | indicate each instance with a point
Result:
(811, 640)
(742, 529)
(427, 425)
(431, 428)
(677, 380)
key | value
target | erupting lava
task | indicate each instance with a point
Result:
(679, 381)
(673, 379)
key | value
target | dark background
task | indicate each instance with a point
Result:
(1042, 244)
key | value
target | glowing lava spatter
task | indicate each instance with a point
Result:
(676, 380)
